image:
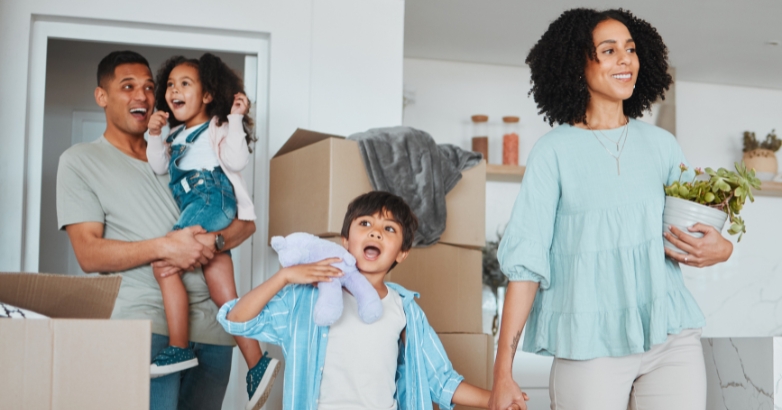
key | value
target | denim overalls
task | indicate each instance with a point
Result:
(205, 198)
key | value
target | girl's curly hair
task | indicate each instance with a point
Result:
(217, 79)
(558, 60)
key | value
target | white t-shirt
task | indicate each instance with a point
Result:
(361, 359)
(199, 154)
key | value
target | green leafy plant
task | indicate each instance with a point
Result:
(770, 143)
(720, 189)
(492, 275)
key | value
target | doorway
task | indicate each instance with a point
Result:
(64, 54)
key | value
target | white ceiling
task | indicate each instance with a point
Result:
(713, 41)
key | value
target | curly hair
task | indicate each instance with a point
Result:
(558, 60)
(217, 79)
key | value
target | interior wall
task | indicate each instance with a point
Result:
(70, 81)
(307, 88)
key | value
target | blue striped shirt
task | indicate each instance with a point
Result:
(424, 374)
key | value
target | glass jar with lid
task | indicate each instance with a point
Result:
(480, 135)
(510, 140)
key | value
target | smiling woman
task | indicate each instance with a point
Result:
(588, 273)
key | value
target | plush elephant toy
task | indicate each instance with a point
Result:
(301, 248)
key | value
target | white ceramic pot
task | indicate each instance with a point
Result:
(682, 214)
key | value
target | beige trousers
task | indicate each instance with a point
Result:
(670, 376)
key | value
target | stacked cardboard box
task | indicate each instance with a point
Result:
(75, 360)
(313, 178)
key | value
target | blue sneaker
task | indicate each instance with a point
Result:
(260, 380)
(171, 360)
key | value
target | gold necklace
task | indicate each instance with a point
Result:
(620, 150)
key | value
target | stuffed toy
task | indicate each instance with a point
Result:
(301, 248)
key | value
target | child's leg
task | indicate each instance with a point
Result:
(177, 309)
(219, 274)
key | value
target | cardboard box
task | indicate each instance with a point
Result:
(314, 176)
(472, 356)
(449, 281)
(74, 360)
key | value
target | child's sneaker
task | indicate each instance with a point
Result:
(171, 360)
(260, 380)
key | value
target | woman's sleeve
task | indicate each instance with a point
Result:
(234, 152)
(524, 250)
(157, 154)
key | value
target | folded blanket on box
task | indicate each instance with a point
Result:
(407, 162)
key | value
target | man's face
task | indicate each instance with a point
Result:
(128, 98)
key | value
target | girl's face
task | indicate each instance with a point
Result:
(185, 95)
(613, 75)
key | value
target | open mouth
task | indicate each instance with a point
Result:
(177, 104)
(138, 113)
(371, 253)
(623, 76)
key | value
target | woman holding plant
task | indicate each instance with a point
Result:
(588, 271)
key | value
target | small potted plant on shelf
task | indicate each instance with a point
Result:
(493, 277)
(710, 198)
(761, 156)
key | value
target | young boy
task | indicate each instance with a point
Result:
(396, 362)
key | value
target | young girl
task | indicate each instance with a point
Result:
(204, 154)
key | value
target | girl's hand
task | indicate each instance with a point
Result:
(312, 272)
(157, 121)
(241, 104)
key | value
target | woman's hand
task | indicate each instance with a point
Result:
(241, 104)
(506, 394)
(711, 249)
(311, 273)
(157, 121)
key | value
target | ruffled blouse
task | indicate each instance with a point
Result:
(593, 240)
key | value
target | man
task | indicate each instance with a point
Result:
(118, 215)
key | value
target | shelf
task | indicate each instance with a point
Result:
(767, 188)
(504, 173)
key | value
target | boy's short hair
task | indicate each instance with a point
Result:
(109, 63)
(381, 201)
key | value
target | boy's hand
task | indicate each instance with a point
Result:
(157, 121)
(312, 272)
(241, 104)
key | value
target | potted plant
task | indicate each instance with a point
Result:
(711, 198)
(761, 156)
(493, 277)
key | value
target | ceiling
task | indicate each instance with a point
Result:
(711, 41)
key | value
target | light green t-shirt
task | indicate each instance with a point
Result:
(96, 182)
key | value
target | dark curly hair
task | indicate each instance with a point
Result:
(558, 60)
(217, 79)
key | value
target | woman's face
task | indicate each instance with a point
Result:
(613, 75)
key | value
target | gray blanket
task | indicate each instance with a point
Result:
(407, 162)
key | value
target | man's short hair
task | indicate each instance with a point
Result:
(109, 63)
(380, 201)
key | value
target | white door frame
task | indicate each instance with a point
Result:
(251, 260)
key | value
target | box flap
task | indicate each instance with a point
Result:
(61, 296)
(301, 138)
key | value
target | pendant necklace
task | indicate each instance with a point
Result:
(623, 135)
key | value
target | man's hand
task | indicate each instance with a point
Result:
(157, 121)
(711, 249)
(183, 251)
(506, 394)
(311, 273)
(241, 104)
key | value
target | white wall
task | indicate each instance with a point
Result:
(742, 297)
(309, 87)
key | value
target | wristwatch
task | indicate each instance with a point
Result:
(219, 242)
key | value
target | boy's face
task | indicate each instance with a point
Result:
(376, 243)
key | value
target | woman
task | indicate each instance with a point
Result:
(583, 251)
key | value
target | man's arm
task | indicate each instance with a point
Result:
(234, 234)
(97, 254)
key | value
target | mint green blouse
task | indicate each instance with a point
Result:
(593, 240)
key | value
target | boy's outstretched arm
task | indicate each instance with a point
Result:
(250, 305)
(468, 395)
